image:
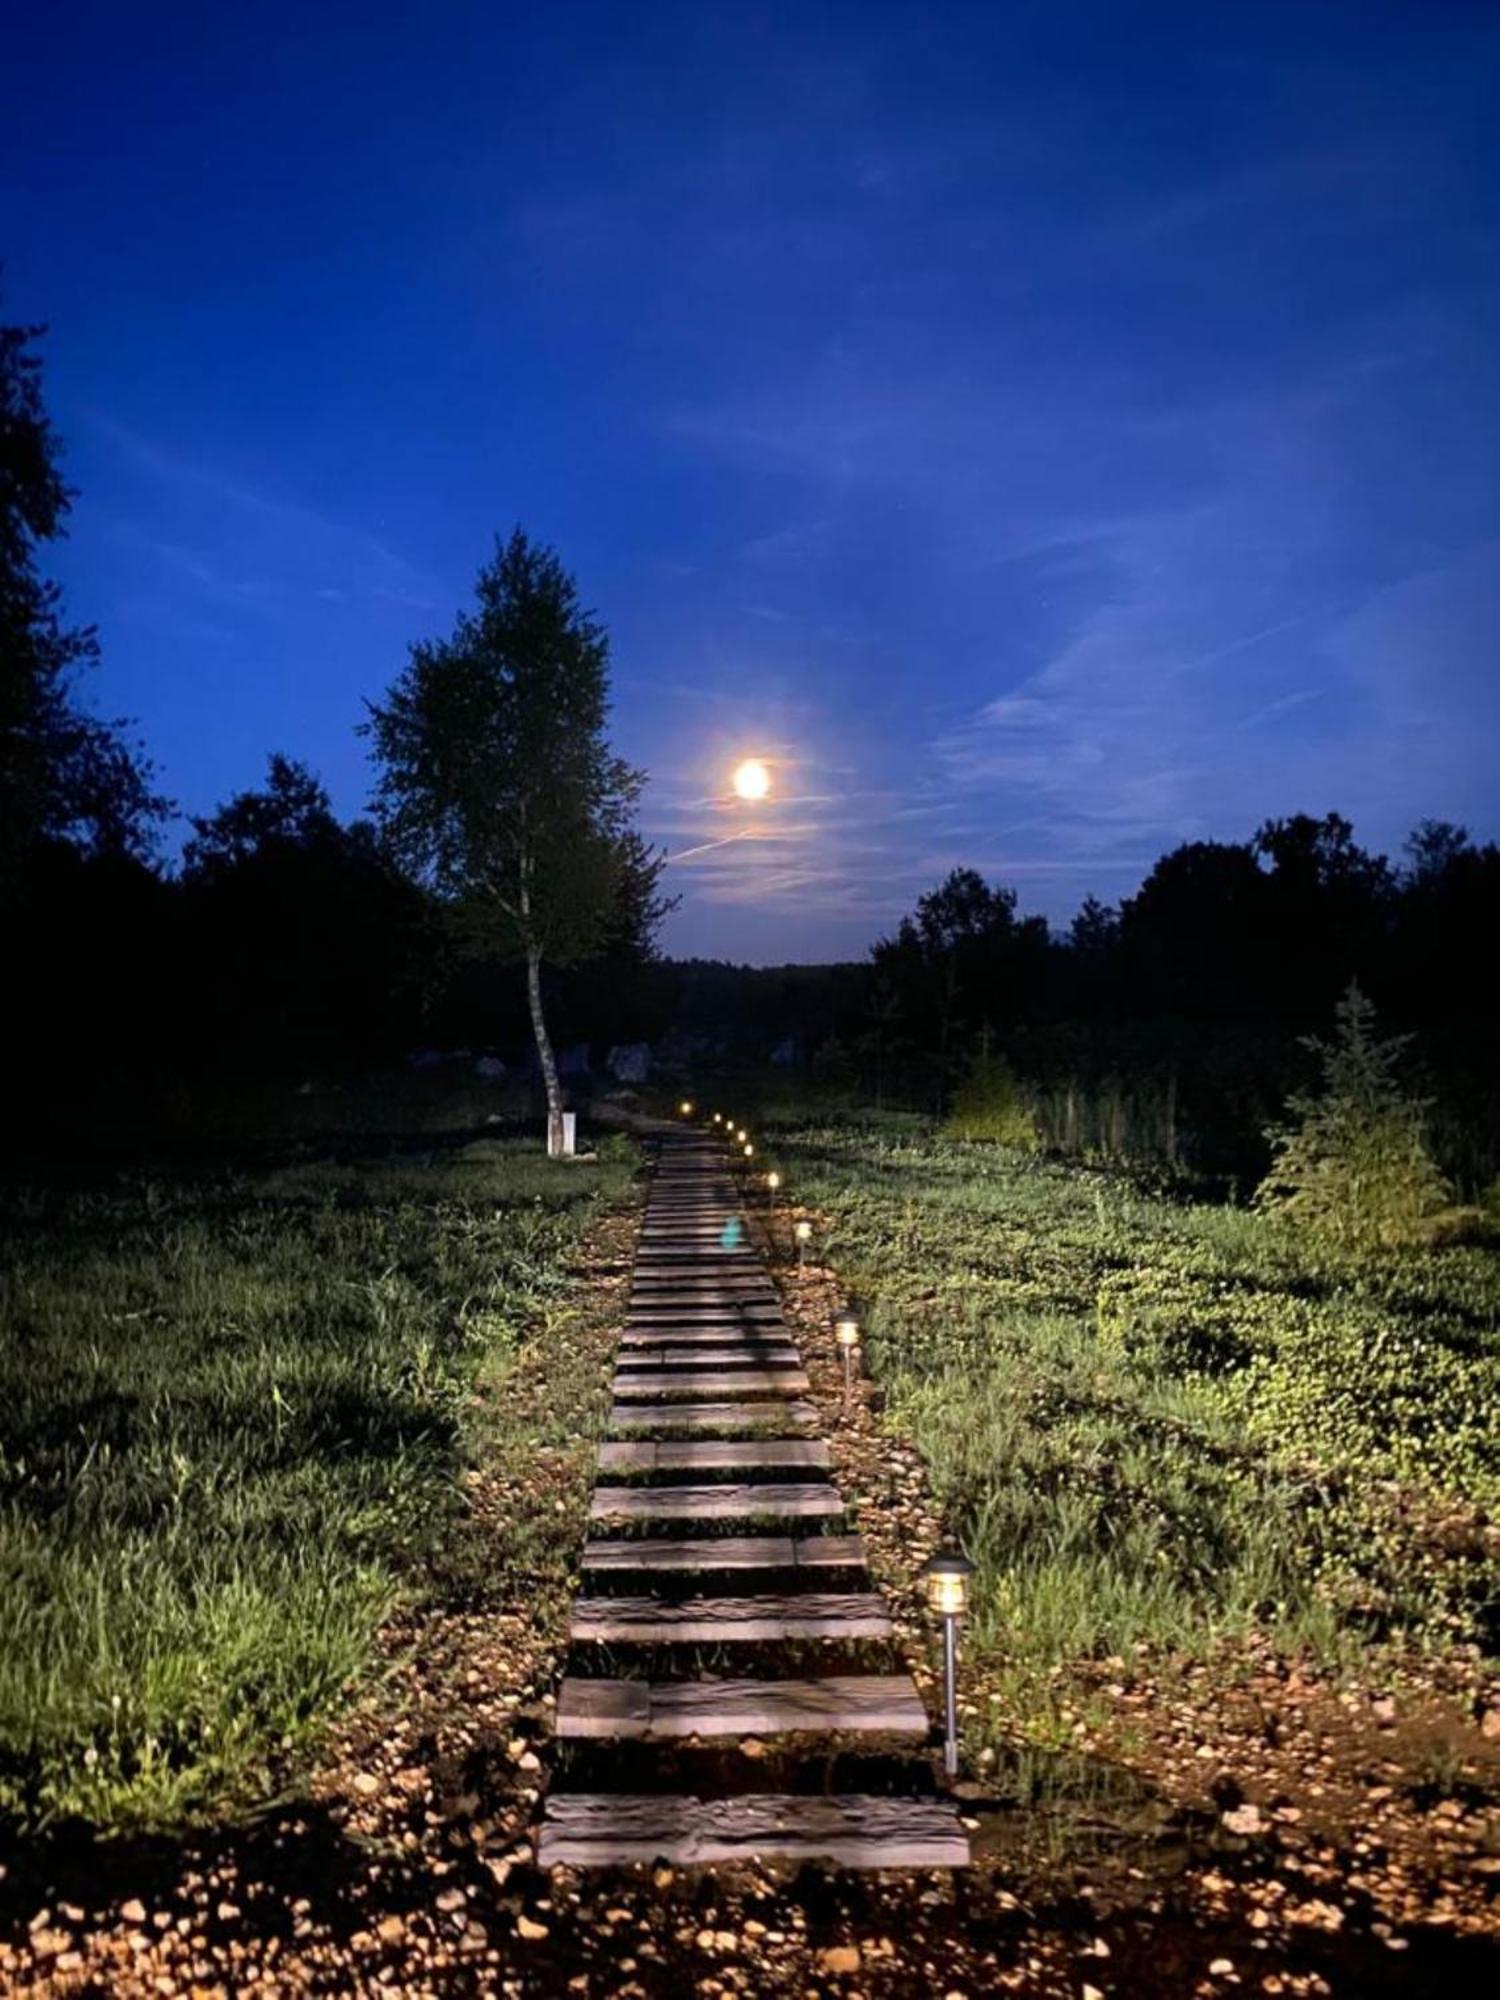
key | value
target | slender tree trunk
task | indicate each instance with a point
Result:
(544, 1052)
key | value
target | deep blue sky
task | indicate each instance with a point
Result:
(1052, 431)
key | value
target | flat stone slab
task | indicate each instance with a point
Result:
(705, 1267)
(730, 1288)
(753, 1313)
(731, 1354)
(707, 1256)
(602, 1830)
(761, 1332)
(758, 1500)
(723, 1381)
(813, 1614)
(719, 1299)
(855, 1704)
(713, 1455)
(710, 1416)
(714, 1552)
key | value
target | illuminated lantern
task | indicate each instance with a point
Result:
(946, 1580)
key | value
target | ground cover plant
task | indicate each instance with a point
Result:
(235, 1407)
(1157, 1424)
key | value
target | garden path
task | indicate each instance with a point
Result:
(732, 1687)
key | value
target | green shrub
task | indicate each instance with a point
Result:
(988, 1105)
(1356, 1168)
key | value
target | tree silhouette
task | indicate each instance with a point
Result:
(65, 776)
(497, 785)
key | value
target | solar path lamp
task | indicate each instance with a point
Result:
(946, 1578)
(846, 1333)
(803, 1232)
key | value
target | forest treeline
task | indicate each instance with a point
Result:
(286, 944)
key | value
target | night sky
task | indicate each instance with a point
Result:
(1048, 432)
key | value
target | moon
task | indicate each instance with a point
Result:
(751, 779)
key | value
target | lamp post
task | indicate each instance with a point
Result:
(773, 1181)
(846, 1333)
(947, 1580)
(803, 1233)
(686, 1107)
(749, 1151)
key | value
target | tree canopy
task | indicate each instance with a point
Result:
(65, 775)
(497, 785)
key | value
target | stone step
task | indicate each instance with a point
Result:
(713, 1269)
(687, 1226)
(777, 1414)
(726, 1351)
(730, 1288)
(702, 1298)
(732, 1354)
(679, 1553)
(722, 1382)
(709, 1318)
(702, 1620)
(853, 1704)
(604, 1830)
(757, 1500)
(713, 1455)
(700, 1336)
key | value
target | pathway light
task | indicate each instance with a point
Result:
(946, 1579)
(846, 1333)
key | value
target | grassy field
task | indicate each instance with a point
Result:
(234, 1405)
(1158, 1422)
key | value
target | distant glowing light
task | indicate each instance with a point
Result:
(752, 780)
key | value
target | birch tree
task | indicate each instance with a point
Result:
(498, 789)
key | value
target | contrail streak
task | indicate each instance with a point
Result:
(709, 845)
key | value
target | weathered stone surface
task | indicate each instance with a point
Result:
(699, 1336)
(775, 1414)
(700, 1553)
(702, 1620)
(713, 1454)
(728, 1354)
(858, 1704)
(722, 1382)
(593, 1830)
(768, 1500)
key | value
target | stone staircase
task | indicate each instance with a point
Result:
(726, 1617)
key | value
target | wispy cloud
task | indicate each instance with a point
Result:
(281, 547)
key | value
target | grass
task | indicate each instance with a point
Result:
(234, 1407)
(1162, 1424)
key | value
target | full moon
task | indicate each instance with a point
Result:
(751, 779)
